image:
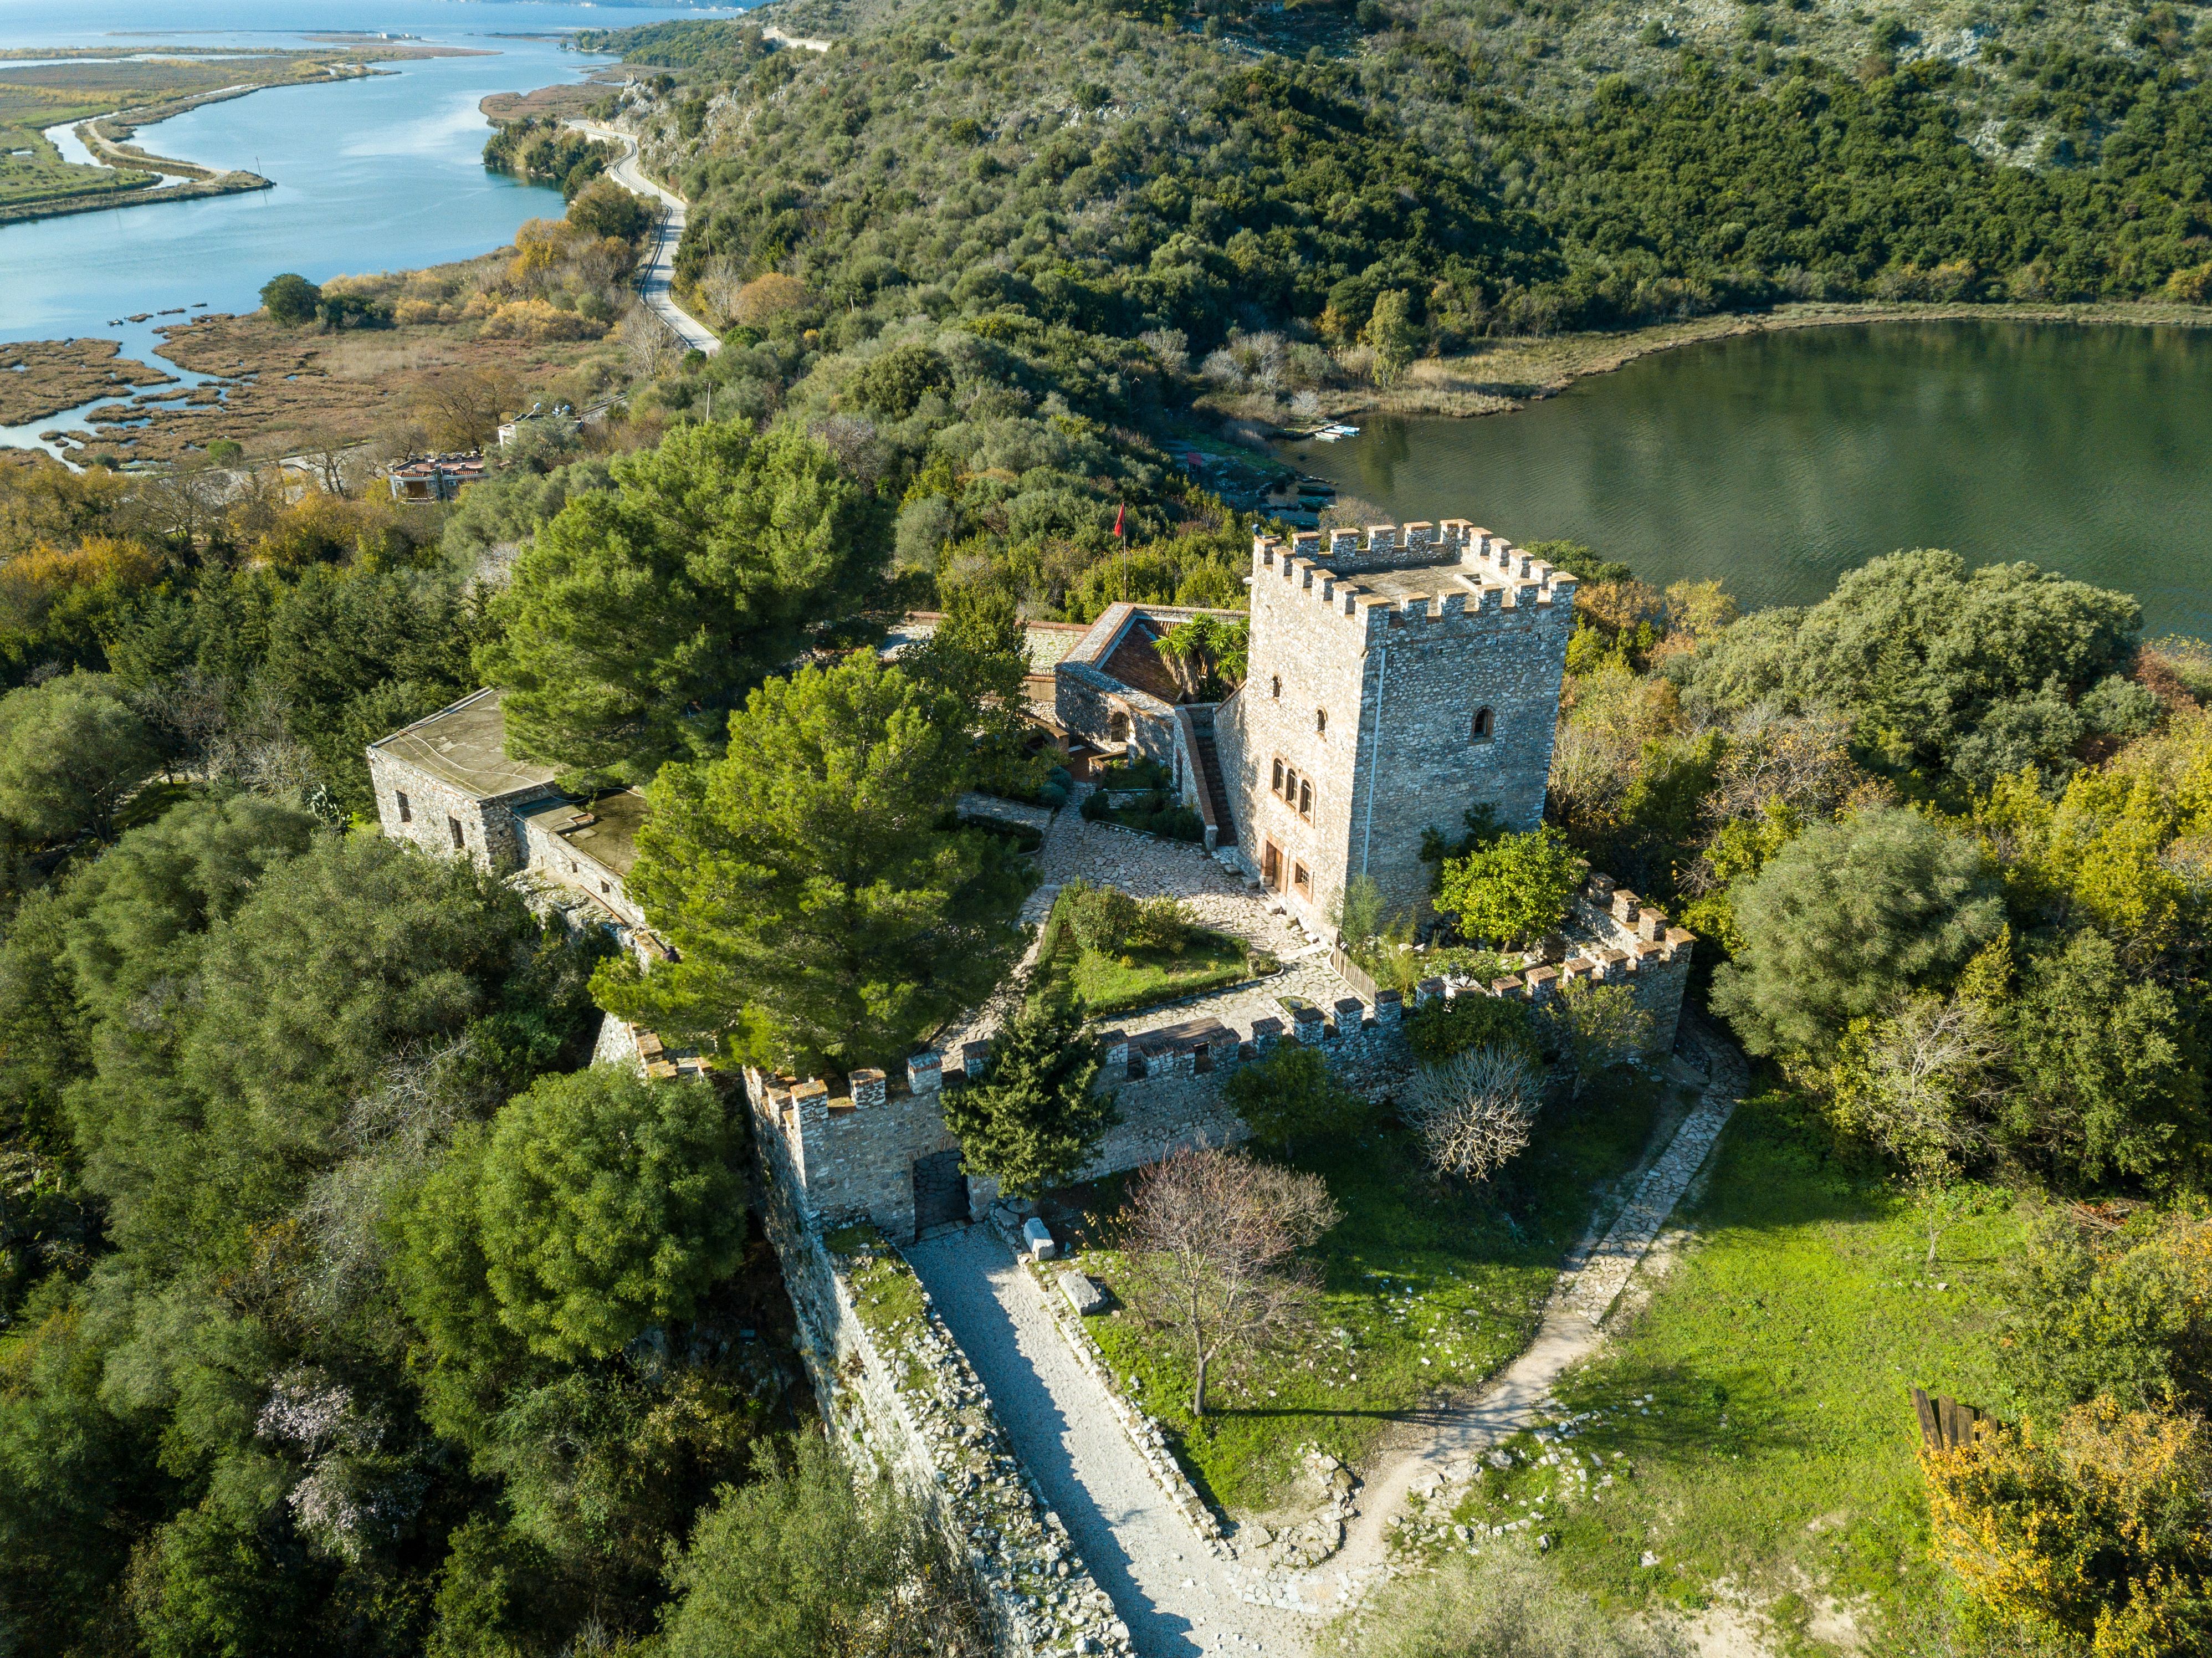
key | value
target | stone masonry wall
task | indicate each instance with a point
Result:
(1621, 925)
(894, 1385)
(852, 1158)
(1400, 680)
(848, 1159)
(1085, 702)
(562, 864)
(490, 832)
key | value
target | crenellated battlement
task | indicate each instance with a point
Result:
(1405, 576)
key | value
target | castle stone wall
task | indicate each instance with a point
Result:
(559, 862)
(852, 1158)
(1086, 703)
(1369, 667)
(896, 1389)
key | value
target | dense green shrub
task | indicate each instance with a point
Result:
(1452, 1025)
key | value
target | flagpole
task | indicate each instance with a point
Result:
(1121, 531)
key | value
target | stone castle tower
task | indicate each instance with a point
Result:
(1390, 687)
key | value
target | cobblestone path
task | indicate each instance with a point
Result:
(1178, 1598)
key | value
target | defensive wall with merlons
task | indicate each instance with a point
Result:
(880, 1151)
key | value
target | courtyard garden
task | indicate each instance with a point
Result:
(1426, 1286)
(1121, 952)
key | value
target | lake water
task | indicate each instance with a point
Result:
(1777, 461)
(378, 174)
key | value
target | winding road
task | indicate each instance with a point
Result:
(656, 276)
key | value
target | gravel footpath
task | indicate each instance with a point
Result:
(1177, 1596)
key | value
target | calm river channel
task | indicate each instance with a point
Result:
(385, 173)
(1776, 461)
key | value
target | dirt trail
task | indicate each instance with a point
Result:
(1570, 1331)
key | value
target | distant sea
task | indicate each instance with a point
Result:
(378, 174)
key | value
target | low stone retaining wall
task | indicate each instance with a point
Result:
(1144, 1431)
(891, 1380)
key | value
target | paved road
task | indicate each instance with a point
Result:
(660, 269)
(1178, 1599)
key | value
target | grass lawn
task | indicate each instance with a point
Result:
(1141, 978)
(1426, 1289)
(1777, 1450)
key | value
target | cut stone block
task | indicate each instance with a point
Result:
(1038, 1236)
(1082, 1294)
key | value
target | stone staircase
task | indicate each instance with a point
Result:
(1209, 767)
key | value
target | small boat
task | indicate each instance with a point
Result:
(1333, 430)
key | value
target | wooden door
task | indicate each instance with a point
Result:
(940, 1190)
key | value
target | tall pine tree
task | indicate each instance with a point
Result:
(1033, 1122)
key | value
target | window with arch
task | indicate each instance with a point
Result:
(1321, 722)
(1117, 727)
(1277, 786)
(1486, 726)
(1305, 797)
(1275, 686)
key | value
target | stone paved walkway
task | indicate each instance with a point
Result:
(1146, 866)
(1179, 1598)
(1570, 1331)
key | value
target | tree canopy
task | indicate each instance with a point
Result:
(1513, 889)
(822, 913)
(70, 750)
(1845, 917)
(607, 1203)
(639, 617)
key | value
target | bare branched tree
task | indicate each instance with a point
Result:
(253, 748)
(1800, 760)
(719, 285)
(326, 450)
(649, 349)
(1213, 1238)
(460, 408)
(185, 504)
(390, 1135)
(1920, 1084)
(1473, 1111)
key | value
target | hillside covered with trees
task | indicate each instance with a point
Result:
(1037, 264)
(346, 1308)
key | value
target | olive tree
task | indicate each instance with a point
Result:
(1844, 920)
(71, 749)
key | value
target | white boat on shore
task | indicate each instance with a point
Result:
(1332, 431)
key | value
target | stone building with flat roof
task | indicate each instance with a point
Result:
(445, 784)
